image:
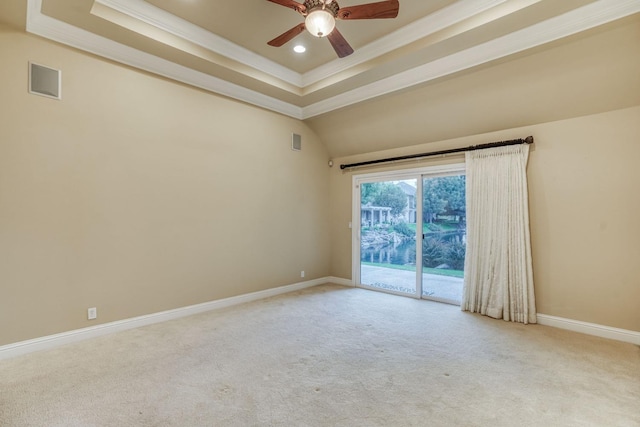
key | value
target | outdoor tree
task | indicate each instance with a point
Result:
(392, 196)
(454, 188)
(369, 192)
(443, 195)
(434, 200)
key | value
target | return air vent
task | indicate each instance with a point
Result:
(44, 81)
(296, 142)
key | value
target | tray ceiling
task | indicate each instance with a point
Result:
(220, 46)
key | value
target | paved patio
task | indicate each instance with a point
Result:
(435, 286)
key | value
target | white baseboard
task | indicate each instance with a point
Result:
(594, 329)
(51, 341)
(624, 335)
(341, 281)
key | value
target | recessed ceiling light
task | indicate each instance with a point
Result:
(299, 48)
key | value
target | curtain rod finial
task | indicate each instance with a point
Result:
(529, 139)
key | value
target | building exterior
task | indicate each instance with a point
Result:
(409, 213)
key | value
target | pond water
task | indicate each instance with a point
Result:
(403, 253)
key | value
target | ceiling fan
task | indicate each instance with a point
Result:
(320, 19)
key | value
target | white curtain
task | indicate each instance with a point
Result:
(498, 277)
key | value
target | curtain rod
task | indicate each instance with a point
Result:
(527, 140)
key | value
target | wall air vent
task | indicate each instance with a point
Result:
(296, 142)
(45, 81)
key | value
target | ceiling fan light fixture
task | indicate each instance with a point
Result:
(320, 22)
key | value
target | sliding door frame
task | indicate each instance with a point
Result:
(393, 175)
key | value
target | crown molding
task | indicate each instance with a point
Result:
(578, 20)
(417, 30)
(53, 29)
(165, 21)
(589, 16)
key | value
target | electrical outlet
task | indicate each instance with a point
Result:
(92, 313)
(302, 273)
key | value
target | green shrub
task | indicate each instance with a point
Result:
(433, 251)
(433, 227)
(404, 229)
(436, 251)
(455, 254)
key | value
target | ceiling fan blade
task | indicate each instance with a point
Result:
(285, 37)
(380, 10)
(298, 7)
(339, 44)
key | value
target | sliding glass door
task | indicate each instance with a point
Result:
(409, 232)
(444, 237)
(387, 235)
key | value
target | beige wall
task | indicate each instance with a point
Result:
(589, 73)
(135, 194)
(584, 186)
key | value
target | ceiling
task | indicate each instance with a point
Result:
(221, 46)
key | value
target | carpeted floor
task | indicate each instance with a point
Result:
(328, 356)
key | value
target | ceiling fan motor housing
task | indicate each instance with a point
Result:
(332, 7)
(320, 20)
